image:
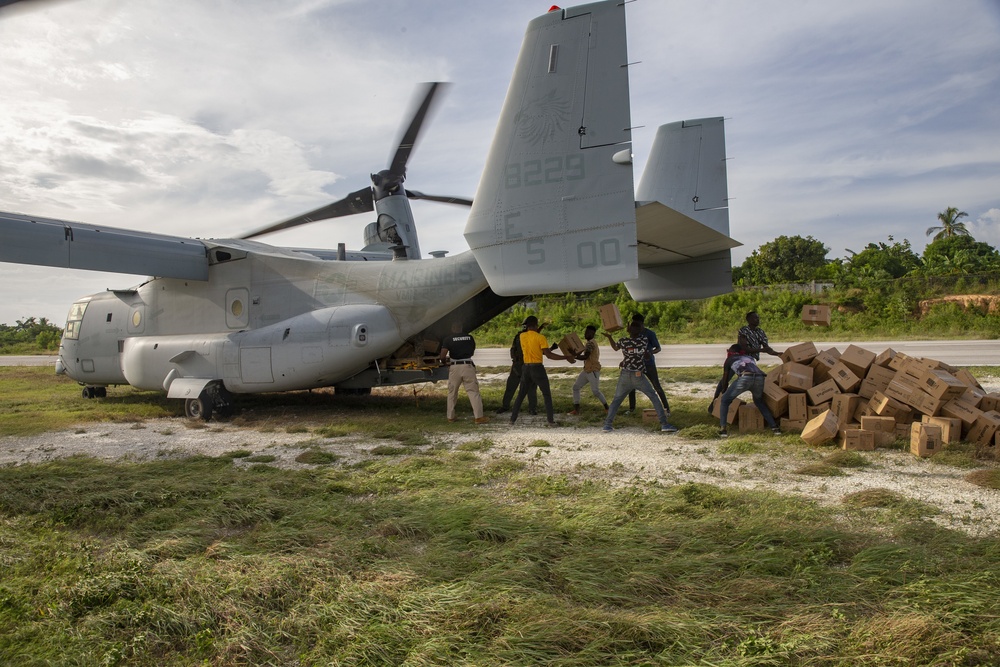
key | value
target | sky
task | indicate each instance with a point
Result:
(848, 121)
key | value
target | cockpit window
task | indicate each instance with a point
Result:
(74, 319)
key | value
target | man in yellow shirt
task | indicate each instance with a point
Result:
(534, 347)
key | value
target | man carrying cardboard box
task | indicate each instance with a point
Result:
(591, 373)
(748, 378)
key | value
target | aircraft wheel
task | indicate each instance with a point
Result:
(101, 392)
(199, 408)
(89, 392)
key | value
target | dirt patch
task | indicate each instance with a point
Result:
(630, 455)
(983, 302)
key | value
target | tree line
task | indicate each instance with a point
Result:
(874, 292)
(29, 336)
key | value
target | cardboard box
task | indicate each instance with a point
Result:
(914, 367)
(884, 406)
(816, 315)
(856, 440)
(902, 431)
(925, 439)
(963, 411)
(901, 388)
(925, 403)
(821, 428)
(797, 407)
(844, 406)
(876, 423)
(844, 377)
(750, 419)
(883, 429)
(898, 361)
(941, 384)
(822, 393)
(816, 410)
(863, 410)
(951, 429)
(776, 399)
(975, 398)
(989, 402)
(611, 318)
(802, 353)
(883, 358)
(795, 377)
(734, 409)
(792, 425)
(985, 428)
(857, 359)
(649, 416)
(821, 365)
(967, 378)
(880, 377)
(571, 345)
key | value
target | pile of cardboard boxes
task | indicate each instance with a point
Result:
(865, 400)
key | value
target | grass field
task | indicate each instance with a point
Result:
(444, 555)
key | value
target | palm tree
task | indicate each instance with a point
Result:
(950, 226)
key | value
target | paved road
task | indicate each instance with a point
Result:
(955, 352)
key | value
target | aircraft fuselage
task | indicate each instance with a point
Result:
(265, 320)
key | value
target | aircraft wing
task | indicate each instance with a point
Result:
(60, 243)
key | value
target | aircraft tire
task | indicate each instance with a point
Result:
(199, 408)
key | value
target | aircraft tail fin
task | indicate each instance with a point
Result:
(555, 209)
(683, 215)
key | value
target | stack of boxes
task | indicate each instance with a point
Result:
(867, 400)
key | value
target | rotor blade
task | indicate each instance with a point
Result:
(409, 138)
(356, 202)
(461, 201)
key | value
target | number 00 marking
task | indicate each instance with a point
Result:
(589, 254)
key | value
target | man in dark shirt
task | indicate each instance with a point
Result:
(635, 350)
(459, 347)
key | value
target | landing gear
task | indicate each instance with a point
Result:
(199, 408)
(95, 392)
(214, 399)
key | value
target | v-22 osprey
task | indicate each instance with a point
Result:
(556, 210)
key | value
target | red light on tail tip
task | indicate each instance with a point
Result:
(555, 8)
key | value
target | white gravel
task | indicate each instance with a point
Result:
(630, 455)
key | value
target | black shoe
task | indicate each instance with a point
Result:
(533, 413)
(723, 433)
(503, 410)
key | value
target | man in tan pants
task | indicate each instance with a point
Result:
(460, 347)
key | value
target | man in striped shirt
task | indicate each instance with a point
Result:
(753, 339)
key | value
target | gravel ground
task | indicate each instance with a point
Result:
(630, 455)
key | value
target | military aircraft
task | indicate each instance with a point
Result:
(556, 210)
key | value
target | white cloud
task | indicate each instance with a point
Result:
(847, 121)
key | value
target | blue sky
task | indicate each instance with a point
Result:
(848, 121)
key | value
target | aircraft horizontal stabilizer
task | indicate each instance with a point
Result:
(59, 243)
(666, 236)
(555, 209)
(683, 215)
